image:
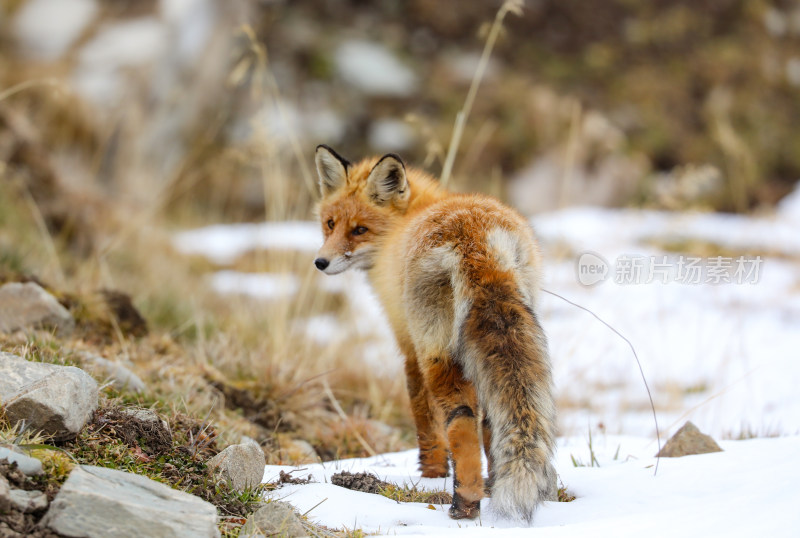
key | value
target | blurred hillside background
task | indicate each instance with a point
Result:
(125, 121)
(210, 110)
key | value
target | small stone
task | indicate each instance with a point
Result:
(56, 400)
(273, 519)
(126, 316)
(28, 465)
(137, 426)
(688, 441)
(101, 502)
(146, 416)
(28, 306)
(242, 465)
(28, 501)
(120, 376)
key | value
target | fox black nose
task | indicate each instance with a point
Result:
(321, 263)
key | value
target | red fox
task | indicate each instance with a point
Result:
(458, 276)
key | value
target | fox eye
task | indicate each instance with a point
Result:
(330, 224)
(358, 230)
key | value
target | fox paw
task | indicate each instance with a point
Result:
(463, 509)
(434, 473)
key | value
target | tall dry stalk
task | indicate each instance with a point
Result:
(263, 73)
(571, 153)
(509, 6)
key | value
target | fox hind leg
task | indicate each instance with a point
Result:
(456, 398)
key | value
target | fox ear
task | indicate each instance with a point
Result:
(331, 168)
(387, 181)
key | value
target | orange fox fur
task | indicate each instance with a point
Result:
(458, 276)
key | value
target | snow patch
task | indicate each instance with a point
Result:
(47, 28)
(323, 330)
(390, 135)
(129, 43)
(282, 120)
(464, 65)
(598, 229)
(258, 285)
(134, 43)
(191, 23)
(789, 207)
(719, 494)
(720, 355)
(374, 69)
(224, 243)
(368, 323)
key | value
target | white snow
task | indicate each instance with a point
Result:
(223, 243)
(191, 23)
(747, 490)
(789, 206)
(281, 119)
(368, 323)
(374, 69)
(47, 28)
(390, 135)
(592, 228)
(724, 356)
(134, 43)
(258, 285)
(129, 43)
(323, 329)
(464, 65)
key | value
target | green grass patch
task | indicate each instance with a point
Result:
(565, 496)
(412, 494)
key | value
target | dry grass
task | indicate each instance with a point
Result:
(201, 341)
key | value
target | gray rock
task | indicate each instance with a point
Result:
(120, 376)
(687, 441)
(147, 416)
(273, 519)
(28, 501)
(100, 502)
(57, 400)
(5, 495)
(28, 306)
(242, 465)
(28, 465)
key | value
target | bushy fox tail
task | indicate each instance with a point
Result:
(504, 353)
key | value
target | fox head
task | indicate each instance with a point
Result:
(359, 203)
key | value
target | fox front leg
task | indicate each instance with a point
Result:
(430, 435)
